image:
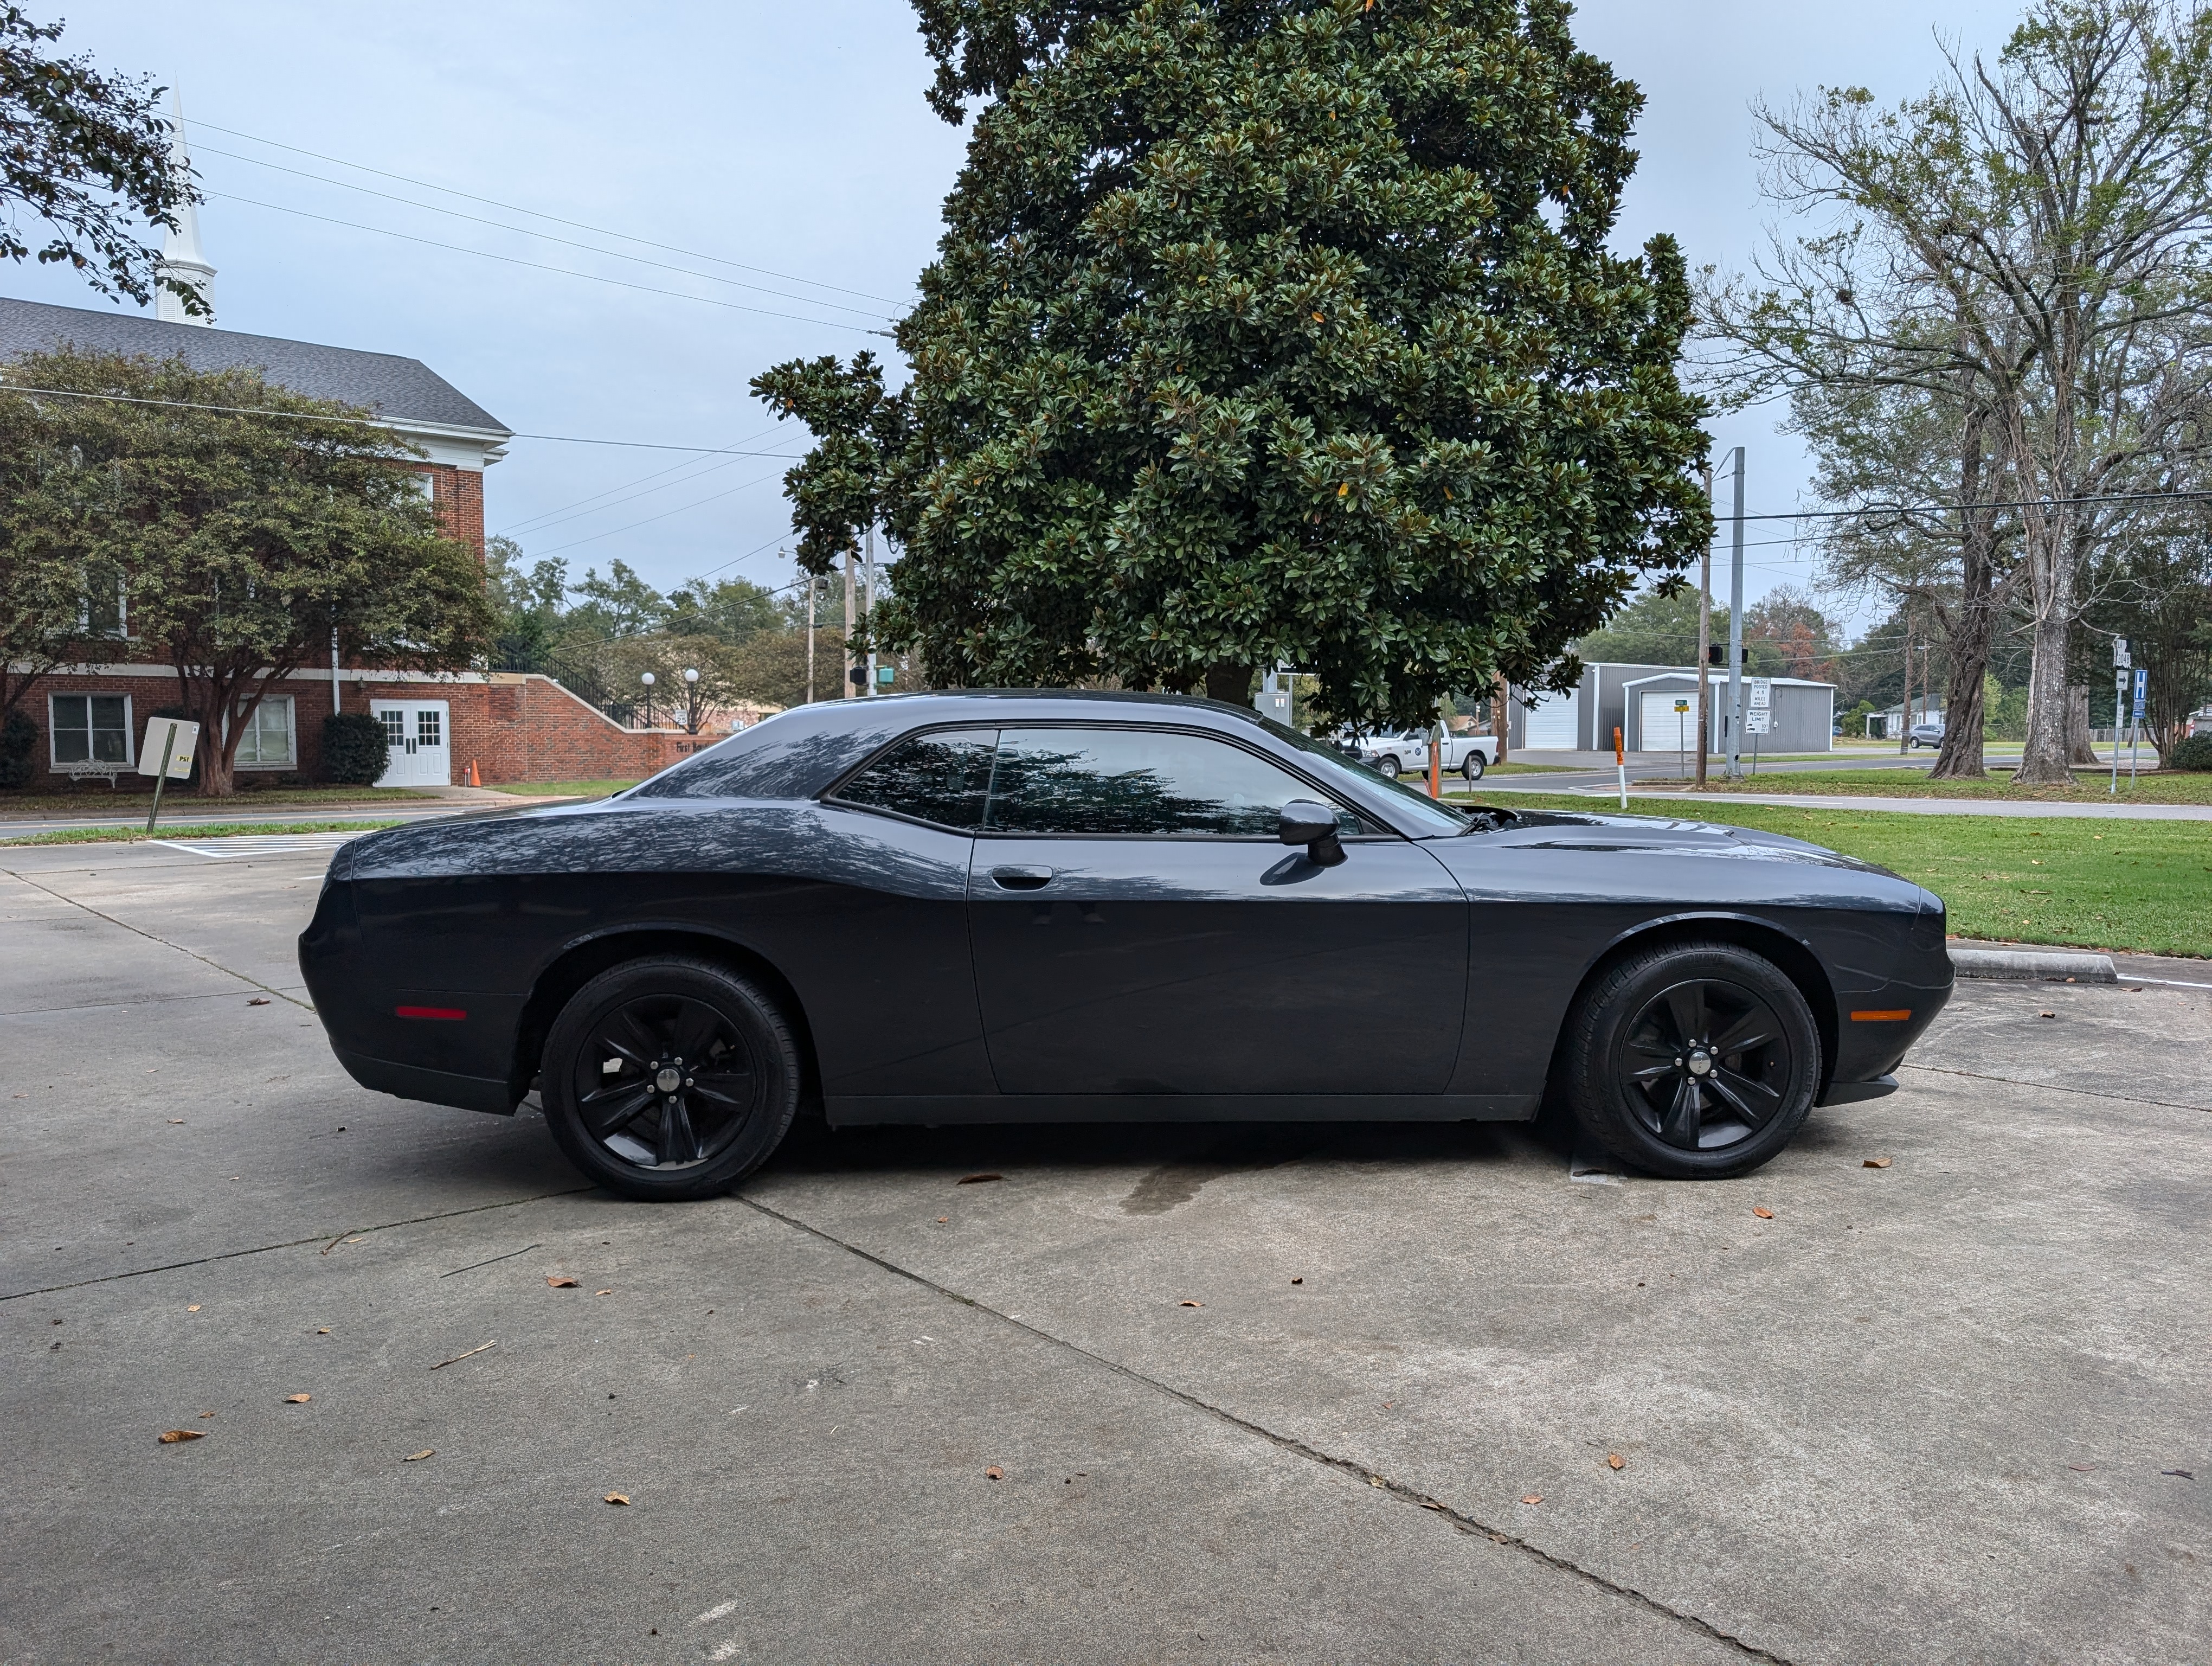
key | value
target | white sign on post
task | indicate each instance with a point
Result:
(171, 738)
(1762, 695)
(1758, 722)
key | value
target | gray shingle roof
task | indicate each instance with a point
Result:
(402, 389)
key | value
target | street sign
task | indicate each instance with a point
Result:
(2120, 652)
(1758, 722)
(1681, 705)
(170, 739)
(2142, 684)
(886, 675)
(1762, 695)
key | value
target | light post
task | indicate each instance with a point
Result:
(692, 699)
(645, 677)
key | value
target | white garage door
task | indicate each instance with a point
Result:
(1660, 729)
(1552, 725)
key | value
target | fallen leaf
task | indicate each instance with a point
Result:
(1874, 1163)
(207, 1413)
(617, 1498)
(995, 1473)
(602, 1292)
(1432, 1506)
(175, 1121)
(193, 1307)
(976, 1179)
(258, 1001)
(1377, 1480)
(325, 1331)
(171, 1437)
(1534, 1497)
(1614, 1461)
(944, 1221)
(417, 1457)
(1298, 1281)
(1764, 1212)
(1187, 1302)
(297, 1399)
(2083, 1467)
(561, 1283)
(471, 1354)
(2046, 1015)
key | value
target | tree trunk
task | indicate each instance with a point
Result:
(1230, 685)
(2049, 757)
(2078, 749)
(1975, 625)
(1501, 713)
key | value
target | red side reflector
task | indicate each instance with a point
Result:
(1887, 1015)
(456, 1013)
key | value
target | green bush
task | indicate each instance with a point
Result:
(2194, 753)
(354, 749)
(19, 738)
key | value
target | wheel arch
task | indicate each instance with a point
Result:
(1763, 937)
(581, 962)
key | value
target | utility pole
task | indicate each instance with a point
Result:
(1501, 711)
(1704, 654)
(871, 609)
(813, 589)
(1735, 630)
(1905, 735)
(851, 600)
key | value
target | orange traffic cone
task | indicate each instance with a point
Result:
(474, 779)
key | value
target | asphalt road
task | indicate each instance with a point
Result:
(1939, 1411)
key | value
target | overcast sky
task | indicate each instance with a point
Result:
(789, 138)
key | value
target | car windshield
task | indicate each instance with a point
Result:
(1428, 817)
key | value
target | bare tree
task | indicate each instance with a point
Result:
(2031, 229)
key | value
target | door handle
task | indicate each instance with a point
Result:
(1021, 878)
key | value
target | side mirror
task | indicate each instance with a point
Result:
(1313, 825)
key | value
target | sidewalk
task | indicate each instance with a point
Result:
(1659, 804)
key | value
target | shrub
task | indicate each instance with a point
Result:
(354, 749)
(19, 738)
(2194, 753)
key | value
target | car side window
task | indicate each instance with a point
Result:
(940, 778)
(1138, 781)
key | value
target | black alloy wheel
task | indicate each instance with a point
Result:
(670, 1079)
(1696, 1060)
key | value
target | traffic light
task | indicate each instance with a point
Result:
(1716, 653)
(858, 677)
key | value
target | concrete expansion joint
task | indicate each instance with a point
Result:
(295, 1243)
(2055, 1088)
(1459, 1520)
(125, 925)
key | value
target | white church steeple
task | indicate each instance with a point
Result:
(181, 259)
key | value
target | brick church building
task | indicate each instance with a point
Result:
(512, 726)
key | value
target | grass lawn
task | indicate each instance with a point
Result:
(191, 834)
(99, 801)
(1534, 770)
(2139, 885)
(564, 789)
(2090, 786)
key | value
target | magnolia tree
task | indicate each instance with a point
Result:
(240, 530)
(1268, 332)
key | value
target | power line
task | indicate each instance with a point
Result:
(388, 423)
(538, 265)
(560, 512)
(662, 515)
(514, 208)
(523, 231)
(1953, 509)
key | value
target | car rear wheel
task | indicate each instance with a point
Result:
(669, 1080)
(1695, 1060)
(1473, 767)
(1390, 767)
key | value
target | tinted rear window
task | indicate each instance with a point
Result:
(940, 778)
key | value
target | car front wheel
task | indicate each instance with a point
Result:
(1695, 1060)
(1390, 767)
(670, 1079)
(1473, 767)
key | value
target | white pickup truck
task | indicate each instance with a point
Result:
(1401, 749)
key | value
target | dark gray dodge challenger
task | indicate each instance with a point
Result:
(995, 907)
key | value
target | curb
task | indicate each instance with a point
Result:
(2029, 966)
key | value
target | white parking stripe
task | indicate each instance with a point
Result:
(258, 844)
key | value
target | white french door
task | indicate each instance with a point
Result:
(418, 733)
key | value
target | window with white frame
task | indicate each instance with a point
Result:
(266, 742)
(88, 728)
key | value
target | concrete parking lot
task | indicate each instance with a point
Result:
(1298, 1394)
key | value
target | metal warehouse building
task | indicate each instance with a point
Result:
(1640, 701)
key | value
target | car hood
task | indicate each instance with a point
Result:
(1563, 831)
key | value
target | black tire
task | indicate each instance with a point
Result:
(1651, 1073)
(656, 1126)
(1390, 767)
(1473, 766)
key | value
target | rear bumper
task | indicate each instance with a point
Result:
(437, 1087)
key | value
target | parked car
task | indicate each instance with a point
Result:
(1923, 734)
(1019, 907)
(1394, 753)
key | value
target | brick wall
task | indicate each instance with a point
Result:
(514, 728)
